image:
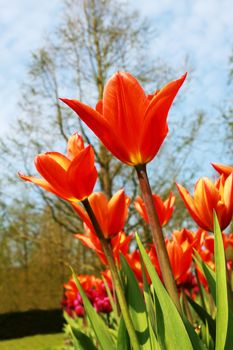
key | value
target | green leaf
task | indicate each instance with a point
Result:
(123, 342)
(208, 272)
(204, 316)
(112, 302)
(195, 339)
(221, 288)
(81, 340)
(171, 328)
(150, 308)
(211, 278)
(137, 307)
(102, 333)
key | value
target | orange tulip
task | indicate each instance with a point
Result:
(119, 244)
(209, 196)
(222, 169)
(180, 259)
(129, 123)
(163, 209)
(227, 241)
(187, 238)
(134, 261)
(71, 177)
(111, 215)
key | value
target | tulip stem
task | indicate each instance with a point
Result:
(157, 235)
(115, 276)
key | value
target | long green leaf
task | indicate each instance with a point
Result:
(101, 330)
(221, 288)
(174, 334)
(123, 342)
(137, 307)
(150, 309)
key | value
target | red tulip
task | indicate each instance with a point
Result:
(71, 177)
(209, 196)
(163, 209)
(129, 123)
(111, 215)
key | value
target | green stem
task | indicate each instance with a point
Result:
(115, 276)
(157, 235)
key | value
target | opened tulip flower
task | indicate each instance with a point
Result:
(209, 196)
(71, 177)
(164, 209)
(111, 215)
(129, 123)
(119, 244)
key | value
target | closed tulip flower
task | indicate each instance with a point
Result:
(209, 196)
(129, 123)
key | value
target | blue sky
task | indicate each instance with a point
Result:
(200, 30)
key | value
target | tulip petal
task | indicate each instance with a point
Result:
(189, 203)
(59, 158)
(100, 126)
(228, 198)
(223, 169)
(99, 205)
(74, 146)
(54, 174)
(141, 208)
(160, 209)
(82, 174)
(117, 212)
(86, 241)
(206, 198)
(166, 94)
(155, 126)
(39, 182)
(124, 104)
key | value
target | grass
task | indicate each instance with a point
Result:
(36, 342)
